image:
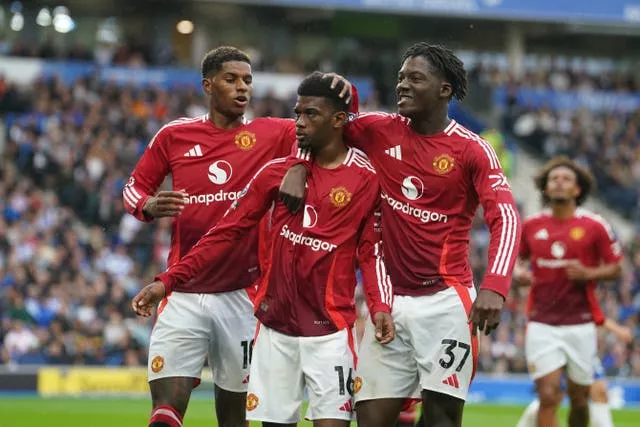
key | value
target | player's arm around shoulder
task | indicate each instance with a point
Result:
(243, 215)
(377, 286)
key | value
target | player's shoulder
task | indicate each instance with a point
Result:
(269, 123)
(359, 161)
(180, 125)
(540, 217)
(274, 168)
(469, 141)
(591, 219)
(379, 118)
(185, 123)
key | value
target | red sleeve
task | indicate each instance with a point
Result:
(151, 170)
(361, 127)
(500, 215)
(376, 283)
(243, 215)
(608, 247)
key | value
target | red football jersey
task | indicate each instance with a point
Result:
(212, 165)
(431, 189)
(309, 283)
(549, 243)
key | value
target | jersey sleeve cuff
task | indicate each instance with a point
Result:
(141, 215)
(497, 284)
(166, 279)
(379, 308)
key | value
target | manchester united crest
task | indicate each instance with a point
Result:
(577, 233)
(157, 363)
(443, 164)
(252, 402)
(340, 197)
(245, 140)
(357, 384)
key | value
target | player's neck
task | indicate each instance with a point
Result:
(221, 121)
(332, 154)
(563, 210)
(431, 125)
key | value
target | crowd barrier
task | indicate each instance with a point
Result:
(49, 381)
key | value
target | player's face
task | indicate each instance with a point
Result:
(230, 88)
(419, 90)
(316, 121)
(562, 185)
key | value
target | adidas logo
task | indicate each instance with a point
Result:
(394, 152)
(194, 152)
(347, 407)
(452, 381)
(542, 234)
(246, 380)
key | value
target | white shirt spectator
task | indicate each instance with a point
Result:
(20, 340)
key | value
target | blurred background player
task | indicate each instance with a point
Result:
(599, 409)
(210, 159)
(434, 173)
(569, 249)
(305, 298)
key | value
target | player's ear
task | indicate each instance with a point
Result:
(207, 85)
(446, 90)
(339, 119)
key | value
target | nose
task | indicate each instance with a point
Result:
(242, 86)
(402, 85)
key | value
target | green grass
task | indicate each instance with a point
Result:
(95, 412)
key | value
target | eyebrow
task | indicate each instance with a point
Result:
(306, 109)
(234, 74)
(412, 72)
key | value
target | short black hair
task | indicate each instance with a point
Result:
(583, 176)
(214, 59)
(445, 63)
(315, 84)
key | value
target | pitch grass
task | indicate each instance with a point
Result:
(122, 412)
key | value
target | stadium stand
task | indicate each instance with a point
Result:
(70, 259)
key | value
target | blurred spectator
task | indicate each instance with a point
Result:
(70, 259)
(608, 142)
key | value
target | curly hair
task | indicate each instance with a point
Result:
(445, 63)
(583, 176)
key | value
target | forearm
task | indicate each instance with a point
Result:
(605, 272)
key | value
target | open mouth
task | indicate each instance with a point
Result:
(241, 100)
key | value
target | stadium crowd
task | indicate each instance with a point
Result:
(606, 141)
(71, 259)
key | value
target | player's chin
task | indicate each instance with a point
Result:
(236, 110)
(304, 144)
(406, 110)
